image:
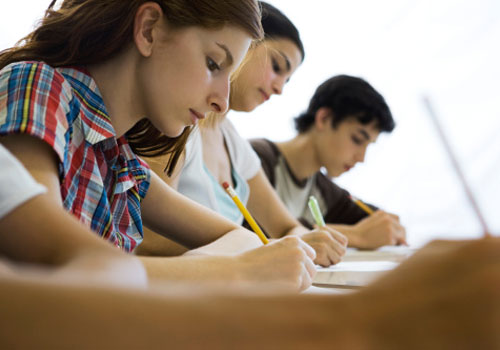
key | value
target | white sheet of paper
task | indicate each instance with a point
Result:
(352, 273)
(389, 253)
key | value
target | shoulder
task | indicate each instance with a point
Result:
(269, 155)
(35, 99)
(243, 157)
(237, 145)
(35, 83)
(35, 74)
(266, 150)
(230, 132)
(194, 148)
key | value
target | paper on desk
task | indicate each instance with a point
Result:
(388, 253)
(352, 273)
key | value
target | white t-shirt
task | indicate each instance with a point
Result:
(16, 184)
(197, 183)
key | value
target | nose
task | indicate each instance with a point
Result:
(360, 158)
(278, 84)
(218, 100)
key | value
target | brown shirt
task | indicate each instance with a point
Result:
(334, 202)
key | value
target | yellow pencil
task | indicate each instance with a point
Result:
(362, 205)
(245, 212)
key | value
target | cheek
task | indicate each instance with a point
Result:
(260, 74)
(267, 75)
(336, 155)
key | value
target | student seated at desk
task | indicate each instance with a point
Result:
(100, 83)
(345, 115)
(445, 296)
(216, 153)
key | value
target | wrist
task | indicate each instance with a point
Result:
(352, 233)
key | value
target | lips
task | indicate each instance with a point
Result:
(196, 116)
(264, 94)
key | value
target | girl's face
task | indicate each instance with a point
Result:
(340, 149)
(268, 68)
(187, 75)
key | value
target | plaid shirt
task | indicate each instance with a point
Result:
(102, 180)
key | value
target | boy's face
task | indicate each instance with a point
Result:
(341, 148)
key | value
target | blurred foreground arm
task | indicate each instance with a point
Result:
(444, 297)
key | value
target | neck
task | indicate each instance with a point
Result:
(115, 79)
(300, 154)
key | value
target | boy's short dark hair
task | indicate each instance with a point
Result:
(347, 97)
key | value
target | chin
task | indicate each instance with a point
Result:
(178, 133)
(252, 107)
(246, 106)
(172, 132)
(334, 173)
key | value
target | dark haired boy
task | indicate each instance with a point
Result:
(345, 115)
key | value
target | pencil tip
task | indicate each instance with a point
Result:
(225, 185)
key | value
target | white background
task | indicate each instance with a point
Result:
(447, 49)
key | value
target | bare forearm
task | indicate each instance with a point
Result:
(181, 321)
(190, 268)
(232, 243)
(53, 242)
(155, 244)
(180, 219)
(348, 231)
(297, 230)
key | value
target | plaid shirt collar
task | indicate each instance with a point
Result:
(96, 122)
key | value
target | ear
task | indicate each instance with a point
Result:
(147, 26)
(323, 119)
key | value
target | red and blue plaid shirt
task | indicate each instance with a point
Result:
(102, 180)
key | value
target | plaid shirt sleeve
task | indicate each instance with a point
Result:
(35, 100)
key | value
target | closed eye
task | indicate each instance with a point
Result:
(276, 66)
(356, 140)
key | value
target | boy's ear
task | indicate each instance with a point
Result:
(147, 26)
(323, 119)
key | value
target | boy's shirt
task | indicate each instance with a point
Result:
(335, 203)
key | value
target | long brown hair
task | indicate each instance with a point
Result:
(84, 32)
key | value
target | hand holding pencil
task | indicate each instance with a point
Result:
(378, 229)
(329, 244)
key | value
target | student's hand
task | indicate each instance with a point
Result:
(287, 262)
(329, 245)
(444, 296)
(379, 229)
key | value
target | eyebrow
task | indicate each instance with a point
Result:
(229, 56)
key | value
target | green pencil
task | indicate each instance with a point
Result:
(316, 213)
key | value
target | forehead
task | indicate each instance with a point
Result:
(370, 131)
(232, 37)
(287, 48)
